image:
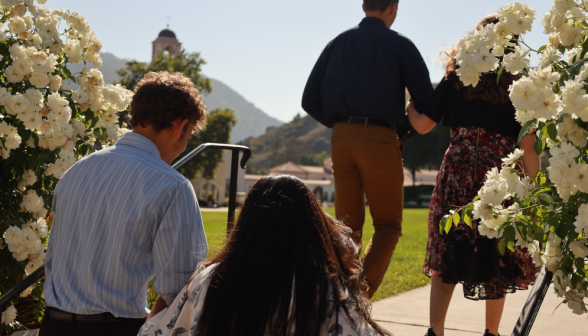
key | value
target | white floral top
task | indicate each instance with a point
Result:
(181, 318)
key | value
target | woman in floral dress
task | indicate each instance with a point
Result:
(483, 131)
(288, 269)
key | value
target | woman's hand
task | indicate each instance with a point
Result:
(420, 122)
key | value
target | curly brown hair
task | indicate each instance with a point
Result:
(487, 90)
(162, 97)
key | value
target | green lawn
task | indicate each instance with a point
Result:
(404, 272)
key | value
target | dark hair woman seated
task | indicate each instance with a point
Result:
(287, 269)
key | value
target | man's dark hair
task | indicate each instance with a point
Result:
(379, 5)
(162, 97)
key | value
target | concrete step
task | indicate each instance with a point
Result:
(30, 332)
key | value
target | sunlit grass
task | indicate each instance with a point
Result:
(404, 272)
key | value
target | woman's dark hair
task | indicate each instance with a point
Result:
(487, 90)
(379, 5)
(283, 250)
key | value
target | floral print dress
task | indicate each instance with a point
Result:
(463, 255)
(182, 317)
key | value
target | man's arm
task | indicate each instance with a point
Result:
(180, 244)
(312, 98)
(414, 74)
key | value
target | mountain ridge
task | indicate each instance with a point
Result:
(251, 120)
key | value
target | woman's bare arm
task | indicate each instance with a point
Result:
(530, 159)
(420, 122)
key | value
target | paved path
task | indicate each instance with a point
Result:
(214, 209)
(408, 314)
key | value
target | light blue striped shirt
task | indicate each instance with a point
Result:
(121, 216)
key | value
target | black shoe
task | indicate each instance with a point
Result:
(487, 333)
(430, 332)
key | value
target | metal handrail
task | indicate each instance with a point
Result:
(533, 304)
(234, 160)
(6, 298)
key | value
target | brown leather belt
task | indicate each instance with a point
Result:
(364, 121)
(59, 314)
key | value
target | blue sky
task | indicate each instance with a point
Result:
(265, 49)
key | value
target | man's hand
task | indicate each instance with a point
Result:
(158, 306)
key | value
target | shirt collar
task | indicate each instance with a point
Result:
(372, 21)
(139, 141)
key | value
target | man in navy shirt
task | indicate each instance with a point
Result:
(357, 87)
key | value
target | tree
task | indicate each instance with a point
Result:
(220, 122)
(190, 64)
(218, 130)
(426, 151)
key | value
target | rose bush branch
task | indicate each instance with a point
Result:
(546, 213)
(44, 129)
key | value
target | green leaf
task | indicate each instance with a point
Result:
(501, 247)
(468, 221)
(540, 191)
(442, 223)
(522, 229)
(552, 131)
(500, 70)
(575, 69)
(465, 215)
(561, 49)
(35, 138)
(510, 245)
(542, 49)
(539, 146)
(448, 224)
(456, 218)
(26, 135)
(540, 178)
(543, 200)
(526, 128)
(508, 237)
(509, 233)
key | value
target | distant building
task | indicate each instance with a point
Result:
(166, 42)
(318, 179)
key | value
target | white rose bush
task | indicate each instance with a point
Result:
(546, 213)
(44, 129)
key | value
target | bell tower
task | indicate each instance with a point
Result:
(166, 41)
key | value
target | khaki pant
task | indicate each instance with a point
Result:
(367, 159)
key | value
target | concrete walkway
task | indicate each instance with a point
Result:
(214, 210)
(408, 314)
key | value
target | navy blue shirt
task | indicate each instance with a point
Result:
(363, 73)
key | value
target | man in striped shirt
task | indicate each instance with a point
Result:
(122, 215)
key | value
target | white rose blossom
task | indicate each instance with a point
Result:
(9, 315)
(579, 249)
(513, 157)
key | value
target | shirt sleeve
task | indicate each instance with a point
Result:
(180, 243)
(414, 73)
(437, 107)
(312, 97)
